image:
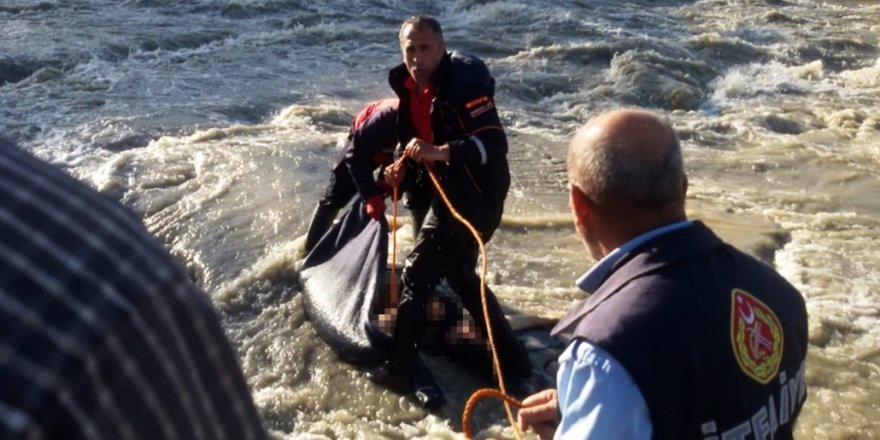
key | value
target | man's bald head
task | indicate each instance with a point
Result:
(628, 161)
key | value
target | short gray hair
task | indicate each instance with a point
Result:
(418, 21)
(613, 178)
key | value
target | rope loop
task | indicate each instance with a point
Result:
(478, 395)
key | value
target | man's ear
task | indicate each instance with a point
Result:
(578, 203)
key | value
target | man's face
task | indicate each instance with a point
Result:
(422, 52)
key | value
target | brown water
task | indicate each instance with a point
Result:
(216, 121)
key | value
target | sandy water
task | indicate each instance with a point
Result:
(216, 121)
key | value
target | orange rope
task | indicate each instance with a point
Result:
(472, 402)
(485, 269)
(484, 392)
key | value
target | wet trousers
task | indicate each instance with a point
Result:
(338, 193)
(446, 249)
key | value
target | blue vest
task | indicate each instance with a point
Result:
(714, 339)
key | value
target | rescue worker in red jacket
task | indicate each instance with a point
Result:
(371, 141)
(448, 121)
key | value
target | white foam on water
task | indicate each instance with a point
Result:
(222, 140)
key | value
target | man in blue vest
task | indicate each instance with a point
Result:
(682, 336)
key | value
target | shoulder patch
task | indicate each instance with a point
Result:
(756, 336)
(477, 107)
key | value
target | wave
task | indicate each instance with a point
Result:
(243, 10)
(11, 71)
(183, 41)
(23, 9)
(724, 51)
(838, 53)
(17, 70)
(648, 79)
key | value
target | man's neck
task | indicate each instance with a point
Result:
(618, 232)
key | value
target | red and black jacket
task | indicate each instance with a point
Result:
(371, 142)
(463, 115)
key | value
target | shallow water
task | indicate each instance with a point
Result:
(216, 121)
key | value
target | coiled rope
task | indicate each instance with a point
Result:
(501, 392)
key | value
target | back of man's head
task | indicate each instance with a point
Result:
(626, 162)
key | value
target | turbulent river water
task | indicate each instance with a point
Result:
(216, 121)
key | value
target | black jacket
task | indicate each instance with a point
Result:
(463, 115)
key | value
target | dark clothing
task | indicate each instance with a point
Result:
(339, 191)
(444, 251)
(714, 339)
(463, 115)
(476, 180)
(102, 335)
(370, 145)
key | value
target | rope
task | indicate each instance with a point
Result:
(476, 397)
(496, 364)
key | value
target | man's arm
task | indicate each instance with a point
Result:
(484, 141)
(424, 151)
(371, 144)
(596, 397)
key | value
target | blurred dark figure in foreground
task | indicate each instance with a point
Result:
(101, 334)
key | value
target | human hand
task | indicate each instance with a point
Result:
(424, 151)
(540, 412)
(375, 207)
(394, 174)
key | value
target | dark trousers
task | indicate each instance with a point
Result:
(338, 193)
(445, 248)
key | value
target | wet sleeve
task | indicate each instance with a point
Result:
(370, 146)
(484, 141)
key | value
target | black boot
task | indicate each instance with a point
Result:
(419, 385)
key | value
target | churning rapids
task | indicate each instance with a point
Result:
(216, 120)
